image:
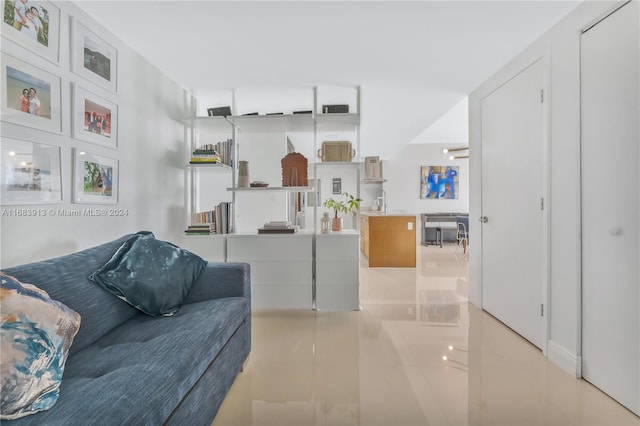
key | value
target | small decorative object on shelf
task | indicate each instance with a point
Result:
(258, 184)
(351, 204)
(294, 170)
(219, 111)
(333, 109)
(243, 174)
(325, 222)
(372, 168)
(336, 151)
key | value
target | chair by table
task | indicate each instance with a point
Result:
(462, 224)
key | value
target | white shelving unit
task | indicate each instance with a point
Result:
(288, 270)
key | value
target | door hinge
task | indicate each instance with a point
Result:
(541, 95)
(541, 309)
(542, 203)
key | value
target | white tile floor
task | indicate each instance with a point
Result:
(386, 365)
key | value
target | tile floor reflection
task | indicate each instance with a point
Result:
(417, 354)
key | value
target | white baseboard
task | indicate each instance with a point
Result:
(563, 359)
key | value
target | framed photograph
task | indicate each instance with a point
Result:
(30, 96)
(95, 119)
(30, 173)
(439, 183)
(34, 25)
(337, 185)
(93, 58)
(95, 179)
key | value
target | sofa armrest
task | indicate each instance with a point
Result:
(220, 280)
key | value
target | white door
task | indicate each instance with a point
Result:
(610, 213)
(513, 276)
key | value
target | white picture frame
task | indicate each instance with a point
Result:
(17, 76)
(30, 173)
(93, 58)
(95, 119)
(95, 178)
(41, 35)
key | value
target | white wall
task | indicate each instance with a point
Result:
(560, 48)
(152, 151)
(402, 172)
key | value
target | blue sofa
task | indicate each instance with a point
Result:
(127, 368)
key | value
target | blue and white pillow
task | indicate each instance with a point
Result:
(37, 333)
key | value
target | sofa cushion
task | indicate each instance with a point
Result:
(149, 362)
(65, 279)
(151, 275)
(37, 333)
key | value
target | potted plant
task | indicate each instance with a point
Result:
(351, 204)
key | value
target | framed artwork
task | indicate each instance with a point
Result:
(30, 173)
(34, 25)
(439, 182)
(337, 185)
(95, 179)
(30, 96)
(95, 119)
(93, 58)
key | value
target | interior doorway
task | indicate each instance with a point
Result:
(513, 232)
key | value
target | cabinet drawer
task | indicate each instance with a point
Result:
(337, 247)
(211, 248)
(281, 297)
(246, 248)
(281, 273)
(338, 273)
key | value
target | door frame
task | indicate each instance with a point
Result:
(476, 265)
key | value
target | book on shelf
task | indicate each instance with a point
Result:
(214, 221)
(277, 224)
(277, 230)
(201, 229)
(278, 227)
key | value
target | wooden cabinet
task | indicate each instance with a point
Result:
(364, 236)
(390, 241)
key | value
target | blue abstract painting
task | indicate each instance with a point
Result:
(439, 182)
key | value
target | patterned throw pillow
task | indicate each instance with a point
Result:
(37, 333)
(151, 275)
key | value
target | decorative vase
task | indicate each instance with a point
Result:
(243, 174)
(336, 224)
(325, 220)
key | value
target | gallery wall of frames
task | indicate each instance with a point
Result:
(97, 148)
(41, 45)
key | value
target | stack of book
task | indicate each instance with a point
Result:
(201, 229)
(206, 154)
(216, 220)
(278, 227)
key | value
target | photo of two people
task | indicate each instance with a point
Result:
(28, 17)
(28, 94)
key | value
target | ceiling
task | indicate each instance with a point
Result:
(414, 60)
